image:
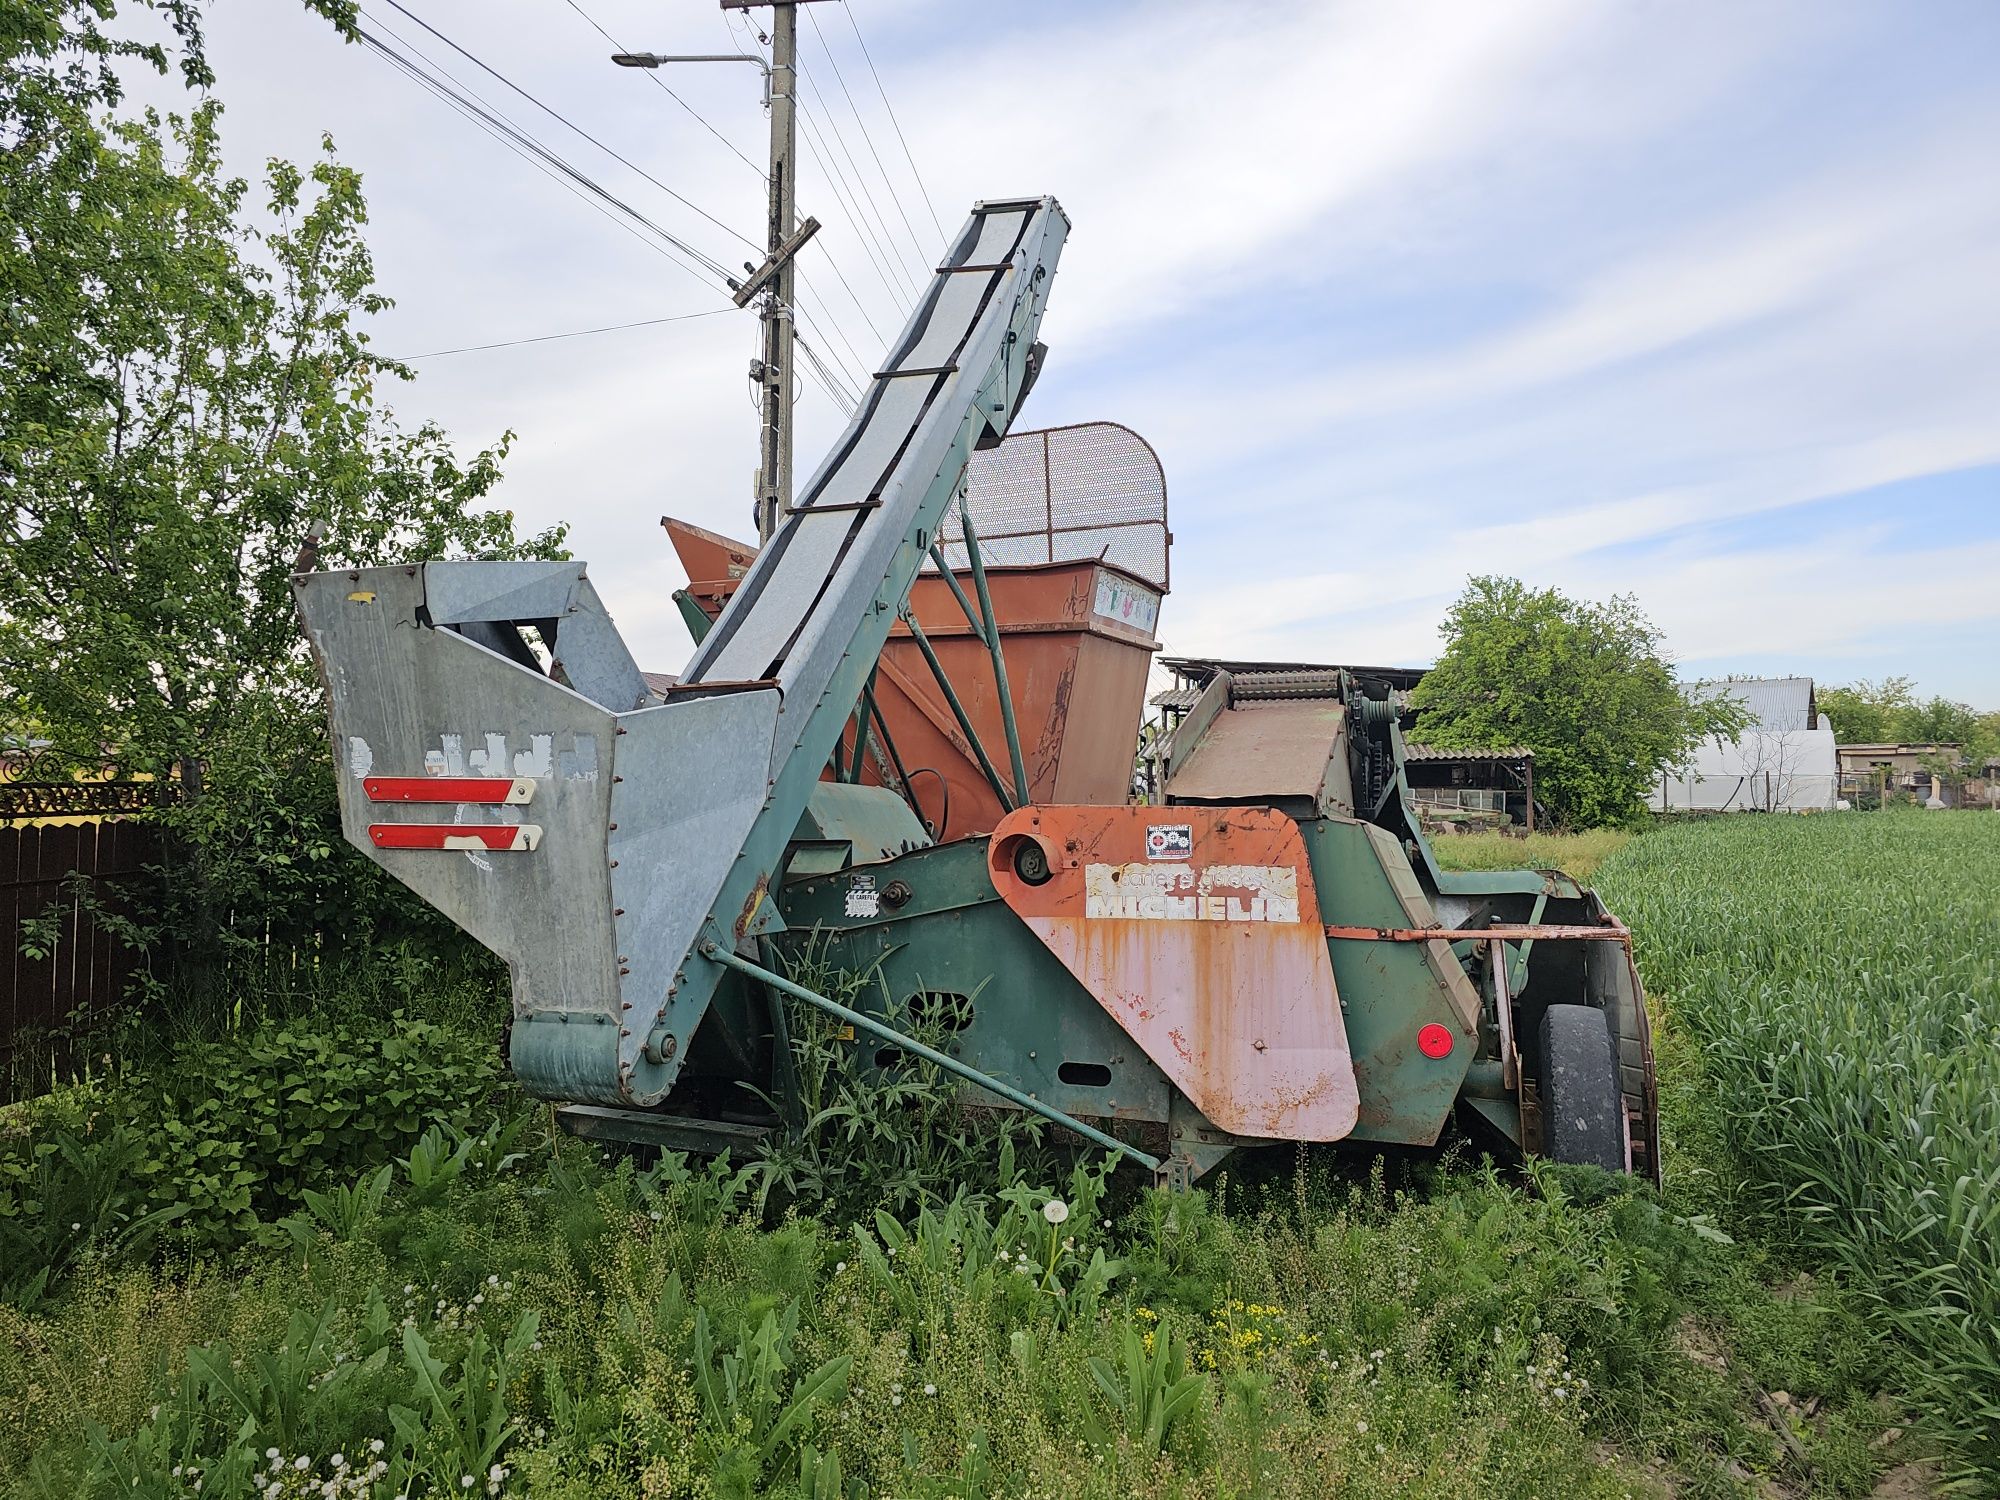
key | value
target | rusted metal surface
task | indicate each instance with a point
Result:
(1264, 749)
(1197, 930)
(1076, 659)
(1610, 932)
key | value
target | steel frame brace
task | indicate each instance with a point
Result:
(1546, 932)
(895, 1038)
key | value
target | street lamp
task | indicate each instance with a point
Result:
(656, 60)
(783, 237)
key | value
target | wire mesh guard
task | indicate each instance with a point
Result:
(1066, 494)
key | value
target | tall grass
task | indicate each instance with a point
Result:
(1575, 854)
(1842, 977)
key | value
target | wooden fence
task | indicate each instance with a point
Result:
(86, 970)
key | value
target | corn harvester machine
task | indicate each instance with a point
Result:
(906, 742)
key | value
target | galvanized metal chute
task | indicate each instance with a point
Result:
(674, 833)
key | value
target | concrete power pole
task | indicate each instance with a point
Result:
(774, 477)
(782, 240)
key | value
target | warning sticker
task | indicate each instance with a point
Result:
(862, 898)
(1169, 841)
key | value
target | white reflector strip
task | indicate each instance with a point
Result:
(514, 789)
(499, 838)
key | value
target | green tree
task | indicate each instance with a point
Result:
(1868, 713)
(1583, 685)
(1890, 712)
(185, 398)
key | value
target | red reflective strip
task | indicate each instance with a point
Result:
(449, 788)
(500, 837)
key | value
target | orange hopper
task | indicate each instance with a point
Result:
(1077, 635)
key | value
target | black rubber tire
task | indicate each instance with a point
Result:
(1583, 1114)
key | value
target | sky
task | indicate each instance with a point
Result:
(1698, 303)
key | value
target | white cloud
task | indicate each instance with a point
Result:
(1693, 273)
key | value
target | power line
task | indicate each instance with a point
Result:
(577, 129)
(660, 84)
(754, 51)
(858, 185)
(921, 187)
(825, 379)
(863, 233)
(866, 136)
(539, 155)
(654, 76)
(858, 307)
(849, 8)
(575, 333)
(813, 358)
(525, 145)
(837, 331)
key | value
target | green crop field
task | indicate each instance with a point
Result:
(343, 1258)
(1841, 977)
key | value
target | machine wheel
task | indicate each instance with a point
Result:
(1583, 1113)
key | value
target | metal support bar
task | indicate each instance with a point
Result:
(889, 746)
(957, 591)
(860, 1022)
(864, 712)
(1553, 933)
(776, 261)
(1503, 1016)
(1020, 766)
(1517, 976)
(784, 1066)
(965, 728)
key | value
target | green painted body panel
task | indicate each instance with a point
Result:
(1029, 1015)
(869, 823)
(954, 935)
(1387, 990)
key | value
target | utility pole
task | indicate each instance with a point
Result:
(783, 238)
(774, 470)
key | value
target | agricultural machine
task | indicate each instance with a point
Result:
(906, 740)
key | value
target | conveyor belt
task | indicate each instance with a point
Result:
(810, 588)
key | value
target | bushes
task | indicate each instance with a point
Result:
(555, 1324)
(211, 1150)
(580, 1327)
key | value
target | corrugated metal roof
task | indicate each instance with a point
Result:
(1205, 667)
(1779, 703)
(1182, 698)
(659, 682)
(1434, 753)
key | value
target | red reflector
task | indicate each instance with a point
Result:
(1434, 1040)
(515, 789)
(499, 837)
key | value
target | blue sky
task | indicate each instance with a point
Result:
(1699, 303)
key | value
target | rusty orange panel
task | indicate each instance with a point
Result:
(1198, 931)
(1077, 659)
